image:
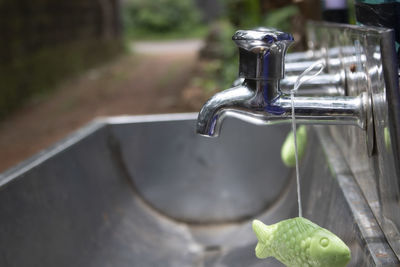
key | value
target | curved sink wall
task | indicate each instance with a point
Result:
(90, 201)
(202, 180)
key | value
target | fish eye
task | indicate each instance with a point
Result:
(324, 242)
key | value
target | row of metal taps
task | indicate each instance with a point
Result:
(260, 95)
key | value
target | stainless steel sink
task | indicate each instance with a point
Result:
(146, 191)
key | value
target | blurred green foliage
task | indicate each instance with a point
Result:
(280, 18)
(221, 66)
(243, 13)
(161, 18)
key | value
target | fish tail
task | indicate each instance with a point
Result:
(262, 251)
(263, 233)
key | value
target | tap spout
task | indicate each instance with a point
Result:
(247, 104)
(216, 108)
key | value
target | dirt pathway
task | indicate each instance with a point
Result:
(132, 84)
(175, 46)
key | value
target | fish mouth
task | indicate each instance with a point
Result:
(347, 256)
(343, 258)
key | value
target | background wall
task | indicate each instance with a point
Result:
(43, 41)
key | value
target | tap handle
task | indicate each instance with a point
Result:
(262, 53)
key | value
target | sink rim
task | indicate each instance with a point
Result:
(75, 137)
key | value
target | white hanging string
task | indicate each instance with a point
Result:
(297, 84)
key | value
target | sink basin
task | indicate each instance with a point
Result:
(146, 191)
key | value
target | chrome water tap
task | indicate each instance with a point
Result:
(259, 98)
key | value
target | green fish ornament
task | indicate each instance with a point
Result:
(288, 149)
(299, 242)
(386, 137)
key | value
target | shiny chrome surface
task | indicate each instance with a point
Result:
(294, 68)
(262, 53)
(147, 191)
(375, 69)
(318, 53)
(249, 104)
(334, 60)
(259, 99)
(322, 85)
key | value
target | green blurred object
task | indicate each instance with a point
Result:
(288, 148)
(352, 12)
(149, 19)
(388, 141)
(280, 18)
